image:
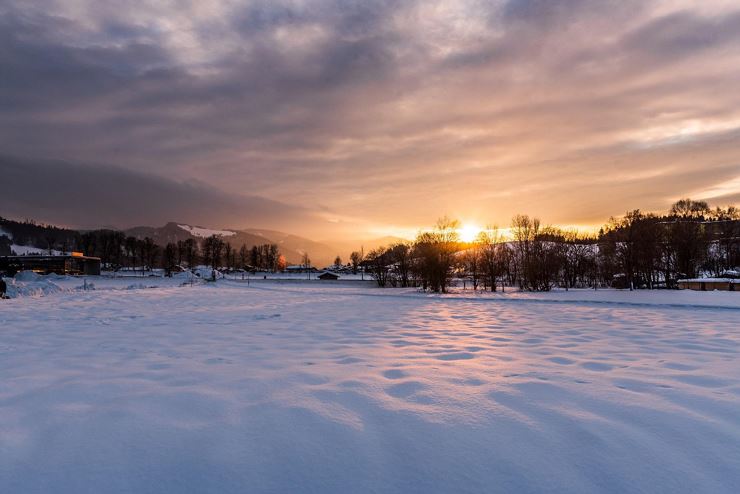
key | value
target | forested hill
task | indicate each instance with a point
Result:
(30, 233)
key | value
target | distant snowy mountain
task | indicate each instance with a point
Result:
(198, 231)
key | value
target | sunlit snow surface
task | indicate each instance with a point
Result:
(226, 388)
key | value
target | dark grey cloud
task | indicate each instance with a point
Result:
(358, 109)
(683, 34)
(82, 195)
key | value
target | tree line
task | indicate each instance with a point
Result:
(638, 250)
(117, 251)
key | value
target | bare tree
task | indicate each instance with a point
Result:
(243, 256)
(471, 263)
(492, 256)
(401, 256)
(131, 247)
(306, 263)
(169, 259)
(355, 258)
(149, 252)
(190, 247)
(686, 208)
(213, 248)
(537, 253)
(254, 257)
(380, 261)
(435, 253)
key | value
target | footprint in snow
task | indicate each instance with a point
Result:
(455, 356)
(405, 389)
(681, 367)
(260, 317)
(561, 360)
(394, 374)
(597, 366)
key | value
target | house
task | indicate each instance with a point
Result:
(710, 284)
(74, 263)
(328, 276)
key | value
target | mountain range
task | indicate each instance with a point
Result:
(18, 236)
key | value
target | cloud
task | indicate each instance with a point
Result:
(81, 195)
(364, 109)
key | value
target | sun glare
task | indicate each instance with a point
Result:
(468, 233)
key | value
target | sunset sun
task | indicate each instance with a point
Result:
(469, 233)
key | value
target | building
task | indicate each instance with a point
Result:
(75, 263)
(328, 276)
(300, 268)
(710, 284)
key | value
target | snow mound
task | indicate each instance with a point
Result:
(57, 277)
(186, 277)
(26, 276)
(136, 286)
(206, 273)
(183, 275)
(27, 286)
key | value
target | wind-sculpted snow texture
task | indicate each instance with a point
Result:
(225, 388)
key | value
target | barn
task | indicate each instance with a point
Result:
(710, 284)
(328, 276)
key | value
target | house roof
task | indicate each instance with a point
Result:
(328, 276)
(710, 280)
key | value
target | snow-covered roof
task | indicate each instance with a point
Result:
(709, 280)
(327, 274)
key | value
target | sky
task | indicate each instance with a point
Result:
(357, 118)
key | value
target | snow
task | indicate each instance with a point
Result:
(273, 387)
(205, 272)
(197, 231)
(24, 250)
(28, 283)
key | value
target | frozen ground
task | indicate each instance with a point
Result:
(337, 388)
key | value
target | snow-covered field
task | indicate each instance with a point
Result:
(287, 387)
